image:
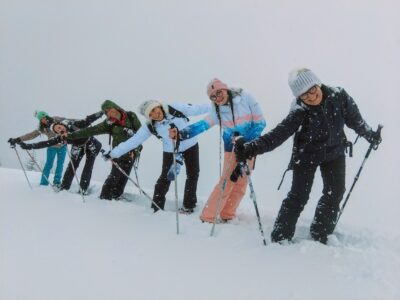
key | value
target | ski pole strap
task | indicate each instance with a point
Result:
(349, 148)
(358, 136)
(283, 177)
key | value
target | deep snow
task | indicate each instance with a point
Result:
(54, 246)
(66, 57)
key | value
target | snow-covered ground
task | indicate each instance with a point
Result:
(54, 246)
(66, 57)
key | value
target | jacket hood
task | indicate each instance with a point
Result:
(109, 104)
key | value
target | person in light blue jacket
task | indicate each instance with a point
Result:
(160, 117)
(237, 112)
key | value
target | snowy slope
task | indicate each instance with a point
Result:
(54, 246)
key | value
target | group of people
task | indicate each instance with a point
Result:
(316, 119)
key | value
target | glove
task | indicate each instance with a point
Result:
(105, 154)
(99, 114)
(129, 132)
(14, 141)
(25, 146)
(171, 171)
(373, 137)
(237, 172)
(243, 151)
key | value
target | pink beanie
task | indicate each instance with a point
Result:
(216, 85)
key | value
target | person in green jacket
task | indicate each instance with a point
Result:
(120, 125)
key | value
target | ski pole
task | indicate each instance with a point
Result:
(135, 168)
(76, 176)
(176, 188)
(370, 148)
(131, 180)
(221, 193)
(253, 197)
(23, 169)
(41, 170)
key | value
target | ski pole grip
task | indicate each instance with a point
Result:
(378, 133)
(380, 126)
(177, 141)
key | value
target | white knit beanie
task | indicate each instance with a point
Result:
(301, 80)
(147, 106)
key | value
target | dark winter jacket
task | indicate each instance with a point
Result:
(319, 130)
(71, 125)
(120, 131)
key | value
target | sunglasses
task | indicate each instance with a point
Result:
(217, 95)
(311, 91)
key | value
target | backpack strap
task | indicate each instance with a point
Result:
(176, 113)
(150, 126)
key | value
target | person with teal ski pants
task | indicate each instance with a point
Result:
(52, 152)
(60, 150)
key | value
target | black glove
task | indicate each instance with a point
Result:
(99, 114)
(373, 137)
(129, 132)
(237, 172)
(105, 154)
(243, 150)
(14, 141)
(25, 146)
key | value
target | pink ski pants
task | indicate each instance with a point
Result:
(232, 195)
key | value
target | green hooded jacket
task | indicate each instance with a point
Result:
(118, 132)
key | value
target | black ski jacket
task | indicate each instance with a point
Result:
(318, 130)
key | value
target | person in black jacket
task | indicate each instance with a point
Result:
(89, 146)
(317, 121)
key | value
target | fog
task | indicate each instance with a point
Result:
(66, 57)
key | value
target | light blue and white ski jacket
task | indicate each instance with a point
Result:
(162, 127)
(249, 121)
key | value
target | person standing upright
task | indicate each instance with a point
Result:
(316, 120)
(237, 113)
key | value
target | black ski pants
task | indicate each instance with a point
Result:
(91, 148)
(333, 176)
(115, 183)
(191, 159)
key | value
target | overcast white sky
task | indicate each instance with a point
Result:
(66, 57)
